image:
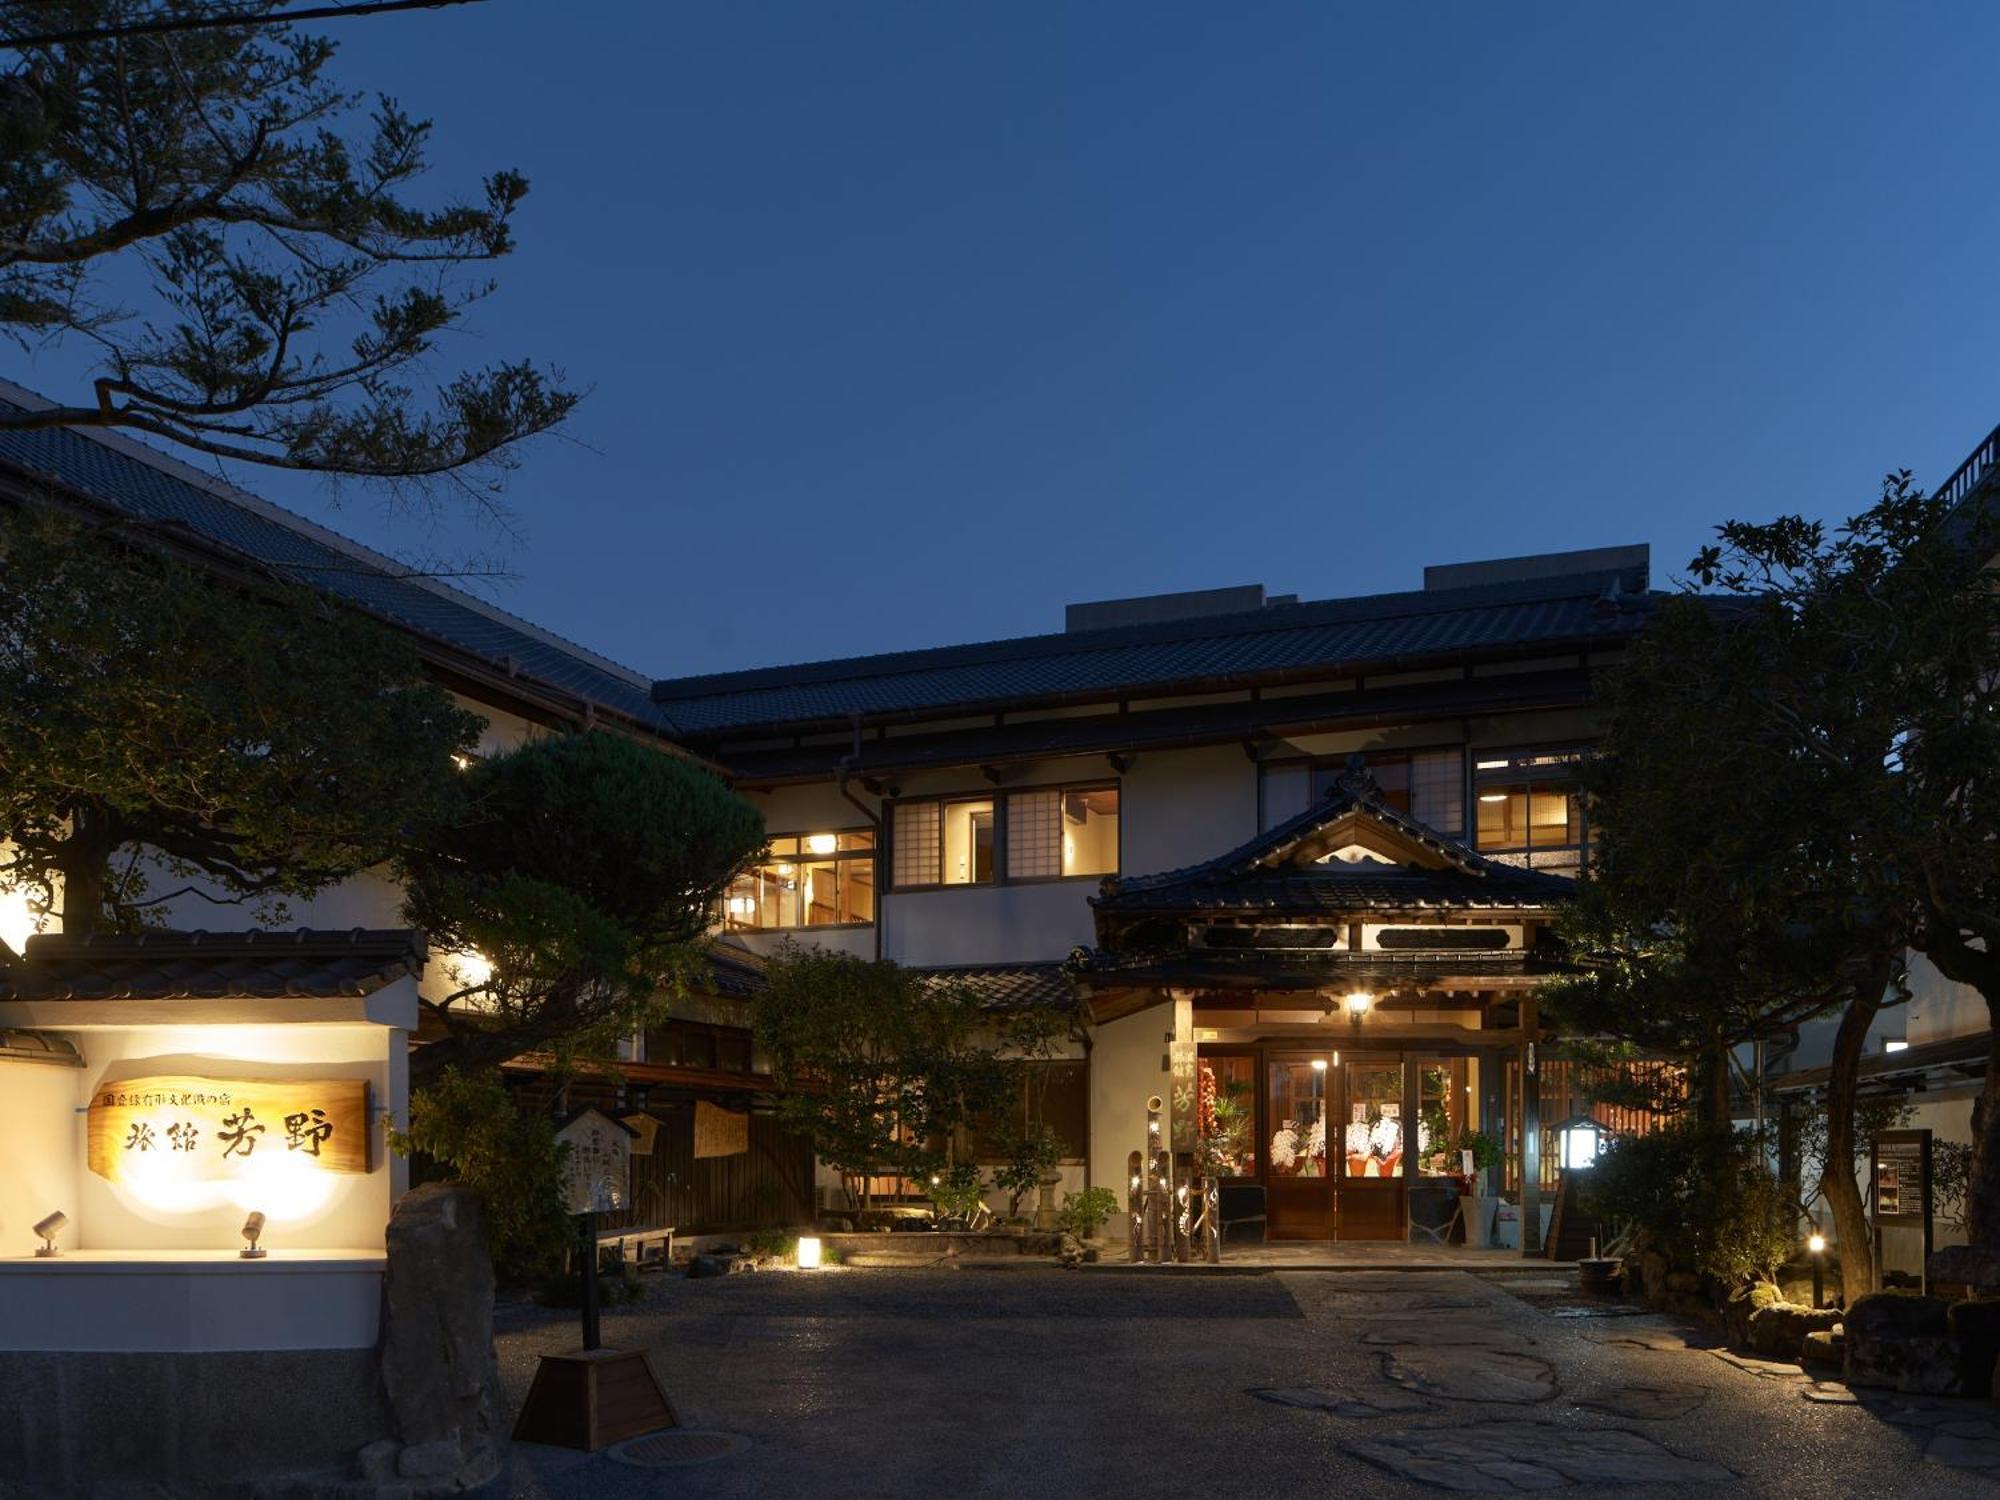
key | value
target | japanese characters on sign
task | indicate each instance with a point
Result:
(597, 1167)
(206, 1129)
(1902, 1160)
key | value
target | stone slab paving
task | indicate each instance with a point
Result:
(1644, 1403)
(1472, 1373)
(1505, 1457)
(1039, 1382)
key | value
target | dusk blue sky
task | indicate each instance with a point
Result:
(905, 325)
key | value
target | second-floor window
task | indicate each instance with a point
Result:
(1528, 810)
(806, 880)
(1040, 833)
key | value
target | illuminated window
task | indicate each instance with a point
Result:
(806, 880)
(946, 843)
(1529, 812)
(1062, 831)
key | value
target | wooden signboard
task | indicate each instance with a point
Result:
(719, 1131)
(212, 1129)
(1183, 1124)
(597, 1168)
(1903, 1178)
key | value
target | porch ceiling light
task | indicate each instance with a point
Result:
(821, 843)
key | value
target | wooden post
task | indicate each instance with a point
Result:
(591, 1339)
(1531, 1132)
(1135, 1206)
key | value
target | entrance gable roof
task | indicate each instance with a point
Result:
(1282, 869)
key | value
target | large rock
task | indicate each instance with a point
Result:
(1779, 1330)
(438, 1369)
(1970, 1266)
(1975, 1328)
(1901, 1342)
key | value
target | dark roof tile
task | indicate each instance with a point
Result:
(210, 965)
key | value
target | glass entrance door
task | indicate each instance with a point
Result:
(1300, 1184)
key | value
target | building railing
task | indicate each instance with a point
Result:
(1969, 475)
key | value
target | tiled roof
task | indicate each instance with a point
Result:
(210, 965)
(734, 971)
(127, 476)
(1196, 969)
(1276, 642)
(1012, 986)
(1277, 871)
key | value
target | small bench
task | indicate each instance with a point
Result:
(649, 1249)
(1239, 1203)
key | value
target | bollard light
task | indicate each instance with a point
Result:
(809, 1252)
(1578, 1140)
(1816, 1247)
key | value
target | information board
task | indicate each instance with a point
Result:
(1902, 1179)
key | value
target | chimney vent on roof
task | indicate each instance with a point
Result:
(1157, 609)
(1633, 565)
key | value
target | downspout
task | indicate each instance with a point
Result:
(847, 765)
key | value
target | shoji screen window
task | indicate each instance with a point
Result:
(1055, 832)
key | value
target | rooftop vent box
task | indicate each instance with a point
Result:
(1157, 609)
(1634, 563)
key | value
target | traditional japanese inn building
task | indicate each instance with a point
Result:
(1302, 855)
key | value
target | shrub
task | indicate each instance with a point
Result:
(1083, 1214)
(1027, 1156)
(468, 1129)
(957, 1192)
(771, 1244)
(618, 1282)
(1698, 1194)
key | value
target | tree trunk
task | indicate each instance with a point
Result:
(1982, 1187)
(85, 863)
(1837, 1184)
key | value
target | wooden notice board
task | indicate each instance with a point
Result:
(213, 1129)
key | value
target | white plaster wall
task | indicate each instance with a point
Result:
(38, 1170)
(989, 924)
(1181, 807)
(1128, 1063)
(314, 1210)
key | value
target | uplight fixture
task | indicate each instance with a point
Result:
(809, 1252)
(48, 1229)
(253, 1230)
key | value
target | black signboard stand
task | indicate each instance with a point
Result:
(1901, 1197)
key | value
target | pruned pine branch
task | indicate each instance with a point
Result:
(295, 295)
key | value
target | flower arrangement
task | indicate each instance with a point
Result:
(1284, 1148)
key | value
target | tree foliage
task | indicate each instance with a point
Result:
(471, 1133)
(883, 1067)
(1699, 1194)
(584, 870)
(199, 209)
(1900, 599)
(170, 733)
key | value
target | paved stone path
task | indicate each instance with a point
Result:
(1037, 1381)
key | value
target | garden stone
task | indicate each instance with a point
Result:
(1975, 1327)
(377, 1461)
(711, 1265)
(438, 1368)
(1778, 1330)
(433, 1460)
(1903, 1343)
(1971, 1266)
(1825, 1347)
(1470, 1372)
(1069, 1252)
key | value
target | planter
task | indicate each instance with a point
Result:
(1599, 1275)
(1479, 1209)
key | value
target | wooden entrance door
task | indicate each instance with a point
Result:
(1299, 1113)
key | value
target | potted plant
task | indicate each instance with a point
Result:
(1083, 1214)
(1477, 1205)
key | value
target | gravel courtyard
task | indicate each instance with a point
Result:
(1173, 1383)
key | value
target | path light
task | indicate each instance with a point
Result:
(809, 1252)
(1816, 1247)
(1579, 1139)
(48, 1229)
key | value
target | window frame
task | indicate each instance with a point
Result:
(998, 796)
(1520, 776)
(875, 853)
(1314, 763)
